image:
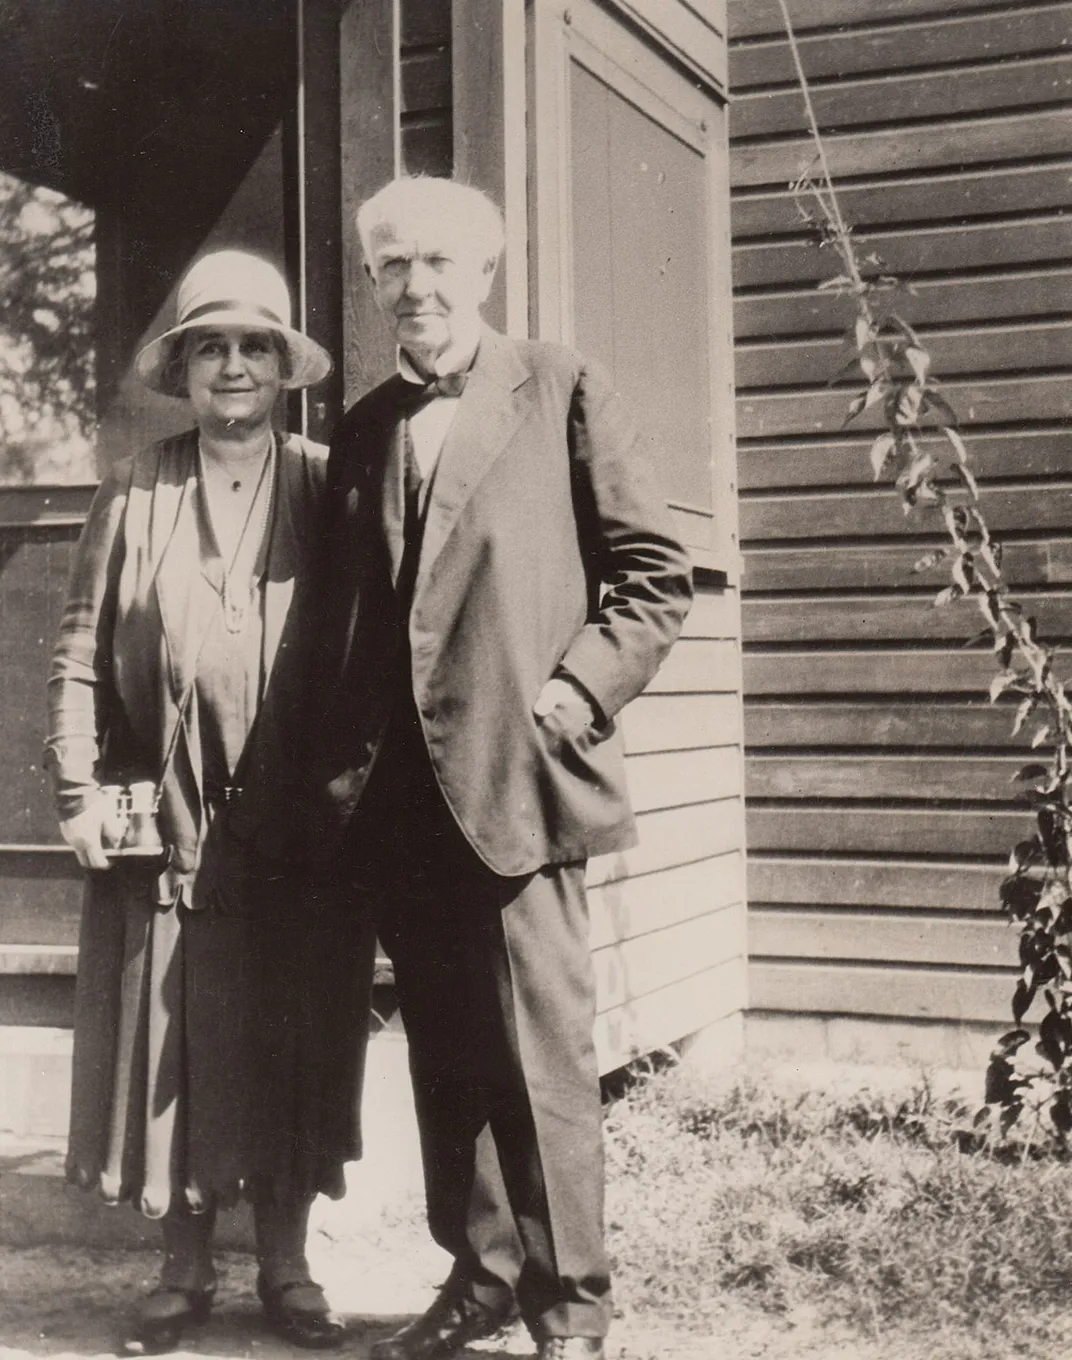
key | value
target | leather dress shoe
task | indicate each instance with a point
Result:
(161, 1318)
(453, 1320)
(571, 1348)
(299, 1313)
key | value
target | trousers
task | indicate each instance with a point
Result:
(496, 991)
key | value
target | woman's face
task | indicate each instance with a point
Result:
(233, 376)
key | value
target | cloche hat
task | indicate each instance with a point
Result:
(232, 288)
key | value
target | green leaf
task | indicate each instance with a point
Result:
(1022, 998)
(947, 596)
(1040, 735)
(1030, 773)
(880, 453)
(1003, 681)
(908, 405)
(919, 361)
(1024, 711)
(855, 407)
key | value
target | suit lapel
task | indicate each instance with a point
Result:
(281, 559)
(488, 414)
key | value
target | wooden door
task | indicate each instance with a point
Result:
(629, 259)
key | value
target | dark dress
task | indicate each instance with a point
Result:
(203, 1055)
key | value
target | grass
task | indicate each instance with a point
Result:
(864, 1211)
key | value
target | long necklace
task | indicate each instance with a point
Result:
(235, 602)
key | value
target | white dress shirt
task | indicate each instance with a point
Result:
(428, 427)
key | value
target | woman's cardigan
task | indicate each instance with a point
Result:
(132, 627)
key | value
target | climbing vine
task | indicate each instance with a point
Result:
(920, 449)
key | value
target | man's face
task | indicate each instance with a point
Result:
(430, 283)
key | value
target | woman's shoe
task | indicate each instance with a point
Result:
(300, 1314)
(161, 1318)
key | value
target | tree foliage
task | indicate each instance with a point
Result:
(47, 383)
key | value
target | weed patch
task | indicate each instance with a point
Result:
(870, 1210)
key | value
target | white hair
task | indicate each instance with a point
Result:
(436, 200)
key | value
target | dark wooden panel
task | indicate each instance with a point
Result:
(982, 349)
(34, 566)
(863, 618)
(912, 199)
(918, 146)
(859, 883)
(367, 152)
(427, 144)
(905, 46)
(876, 565)
(870, 831)
(884, 723)
(879, 512)
(948, 778)
(870, 937)
(426, 81)
(999, 400)
(843, 103)
(40, 897)
(755, 18)
(987, 297)
(45, 507)
(841, 460)
(423, 23)
(945, 248)
(43, 1000)
(795, 673)
(903, 993)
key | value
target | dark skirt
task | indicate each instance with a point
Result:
(216, 1054)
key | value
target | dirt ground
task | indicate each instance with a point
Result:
(63, 1302)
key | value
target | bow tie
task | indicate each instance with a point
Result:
(445, 385)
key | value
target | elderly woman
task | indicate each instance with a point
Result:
(212, 1000)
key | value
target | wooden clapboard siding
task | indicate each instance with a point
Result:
(817, 673)
(929, 255)
(841, 460)
(892, 724)
(425, 123)
(882, 798)
(914, 199)
(665, 912)
(851, 935)
(946, 995)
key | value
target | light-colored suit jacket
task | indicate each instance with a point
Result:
(547, 550)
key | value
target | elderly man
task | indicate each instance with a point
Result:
(503, 578)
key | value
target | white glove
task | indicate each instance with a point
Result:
(83, 833)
